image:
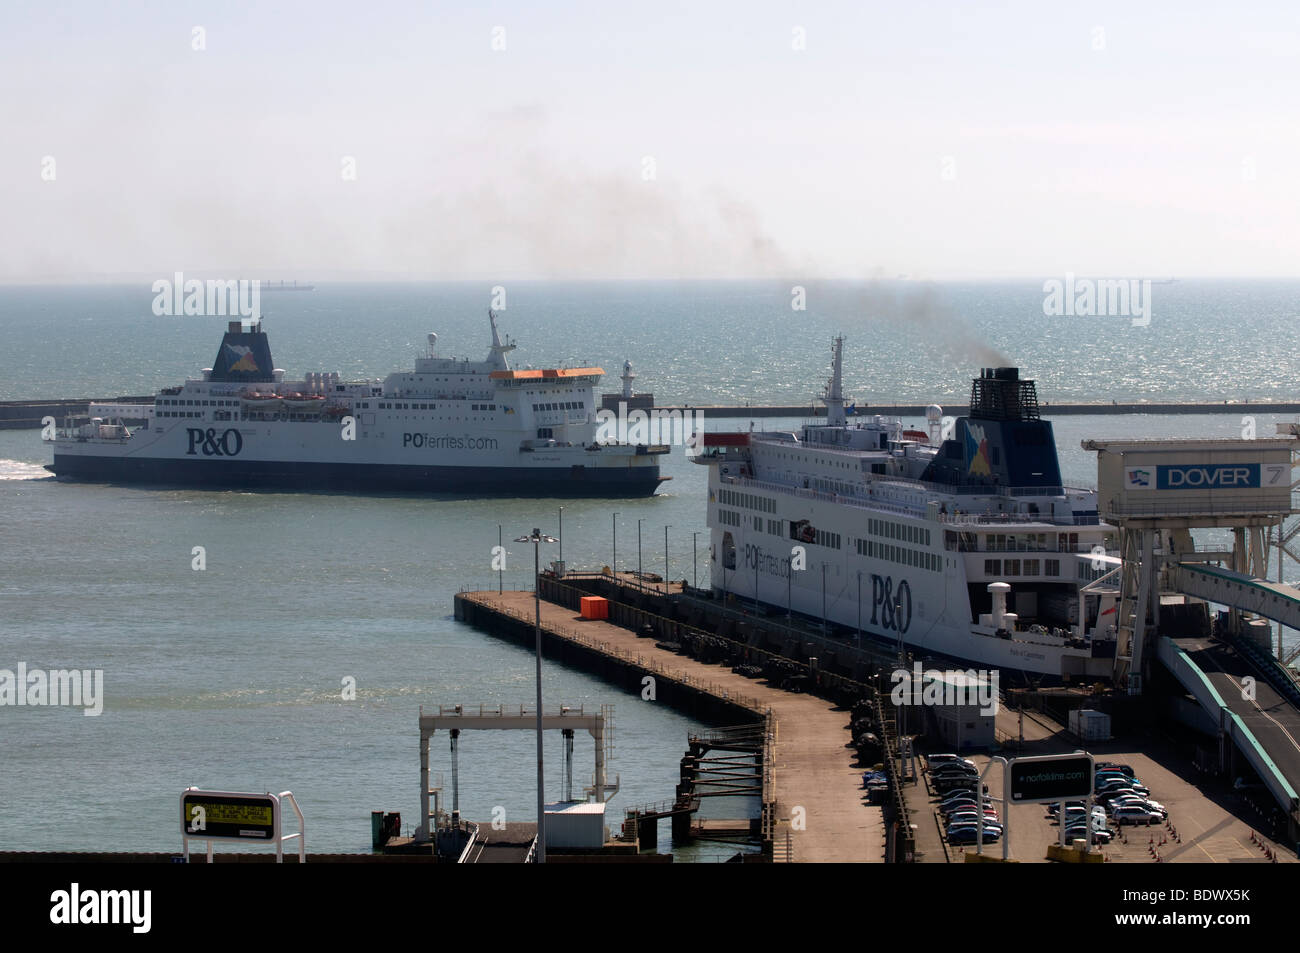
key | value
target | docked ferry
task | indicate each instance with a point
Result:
(446, 426)
(957, 544)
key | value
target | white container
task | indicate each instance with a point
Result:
(575, 825)
(1090, 725)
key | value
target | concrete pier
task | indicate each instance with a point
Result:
(819, 810)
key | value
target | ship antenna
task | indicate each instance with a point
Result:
(497, 356)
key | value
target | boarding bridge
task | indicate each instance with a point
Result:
(1238, 590)
(1259, 725)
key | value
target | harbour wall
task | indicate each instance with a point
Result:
(27, 414)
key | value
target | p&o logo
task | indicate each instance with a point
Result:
(210, 445)
(891, 605)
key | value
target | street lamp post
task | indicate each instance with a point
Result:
(695, 560)
(561, 536)
(537, 538)
(638, 551)
(789, 591)
(823, 596)
(615, 565)
(501, 561)
(859, 608)
(665, 559)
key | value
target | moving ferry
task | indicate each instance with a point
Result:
(447, 425)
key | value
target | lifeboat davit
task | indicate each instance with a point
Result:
(304, 403)
(261, 402)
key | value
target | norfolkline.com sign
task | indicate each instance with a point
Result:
(1057, 777)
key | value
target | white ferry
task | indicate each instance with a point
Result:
(961, 546)
(448, 425)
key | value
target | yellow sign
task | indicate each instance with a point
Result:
(251, 814)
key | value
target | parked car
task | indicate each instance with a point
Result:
(934, 760)
(1055, 806)
(1116, 780)
(969, 835)
(1132, 814)
(1122, 768)
(1074, 814)
(960, 817)
(1135, 800)
(1109, 787)
(947, 786)
(989, 827)
(1100, 835)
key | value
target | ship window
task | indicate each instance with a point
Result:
(1013, 567)
(1051, 567)
(1031, 567)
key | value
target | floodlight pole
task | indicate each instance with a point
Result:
(537, 538)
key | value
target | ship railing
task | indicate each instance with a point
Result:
(911, 510)
(509, 711)
(868, 503)
(1049, 549)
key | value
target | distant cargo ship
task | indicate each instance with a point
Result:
(272, 286)
(448, 425)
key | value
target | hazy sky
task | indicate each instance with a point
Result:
(929, 139)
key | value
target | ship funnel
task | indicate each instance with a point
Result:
(999, 394)
(999, 590)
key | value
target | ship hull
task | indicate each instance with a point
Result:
(573, 481)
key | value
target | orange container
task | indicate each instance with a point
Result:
(595, 607)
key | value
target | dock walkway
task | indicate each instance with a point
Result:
(818, 792)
